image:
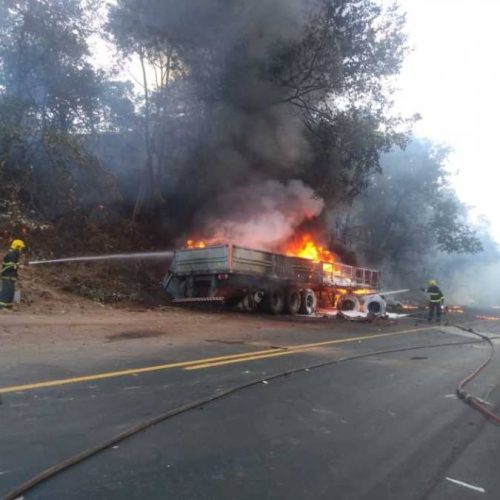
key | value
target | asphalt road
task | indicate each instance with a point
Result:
(385, 426)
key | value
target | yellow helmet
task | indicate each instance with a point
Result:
(432, 282)
(17, 245)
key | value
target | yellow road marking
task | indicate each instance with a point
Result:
(250, 358)
(299, 348)
(200, 363)
(131, 371)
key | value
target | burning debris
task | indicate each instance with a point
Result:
(455, 309)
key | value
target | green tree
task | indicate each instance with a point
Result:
(45, 62)
(49, 100)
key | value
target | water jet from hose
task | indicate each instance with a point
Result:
(118, 256)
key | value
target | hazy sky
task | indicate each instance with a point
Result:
(452, 79)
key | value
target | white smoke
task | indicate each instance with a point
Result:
(476, 285)
(263, 215)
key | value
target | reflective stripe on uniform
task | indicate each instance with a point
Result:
(7, 266)
(6, 304)
(9, 278)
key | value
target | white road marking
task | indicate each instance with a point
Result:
(466, 485)
(451, 396)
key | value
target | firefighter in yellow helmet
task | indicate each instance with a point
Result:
(436, 300)
(8, 273)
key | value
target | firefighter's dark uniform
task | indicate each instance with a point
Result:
(436, 300)
(10, 265)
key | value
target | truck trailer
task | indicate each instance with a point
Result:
(255, 279)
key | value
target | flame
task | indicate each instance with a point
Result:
(304, 246)
(488, 318)
(195, 244)
(363, 291)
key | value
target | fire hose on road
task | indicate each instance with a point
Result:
(143, 425)
(466, 396)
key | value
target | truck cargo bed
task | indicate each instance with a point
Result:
(234, 259)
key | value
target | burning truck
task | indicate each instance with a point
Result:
(293, 280)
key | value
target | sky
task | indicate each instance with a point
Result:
(452, 78)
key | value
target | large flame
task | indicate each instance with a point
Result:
(305, 246)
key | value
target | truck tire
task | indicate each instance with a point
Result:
(293, 301)
(309, 302)
(248, 303)
(375, 305)
(274, 301)
(348, 303)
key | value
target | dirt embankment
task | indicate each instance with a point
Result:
(90, 287)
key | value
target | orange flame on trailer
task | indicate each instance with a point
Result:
(195, 244)
(304, 246)
(363, 291)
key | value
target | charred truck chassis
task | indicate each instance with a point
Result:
(252, 278)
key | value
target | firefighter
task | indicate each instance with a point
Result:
(8, 272)
(436, 300)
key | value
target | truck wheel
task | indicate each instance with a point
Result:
(348, 303)
(293, 301)
(376, 305)
(275, 301)
(248, 303)
(308, 302)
